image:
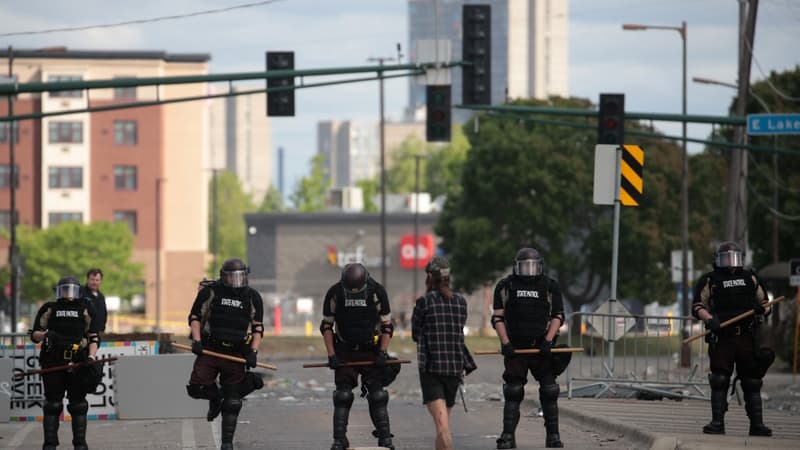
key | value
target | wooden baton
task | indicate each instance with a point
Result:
(732, 320)
(532, 351)
(224, 356)
(64, 367)
(357, 363)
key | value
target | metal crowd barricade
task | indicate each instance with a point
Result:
(644, 362)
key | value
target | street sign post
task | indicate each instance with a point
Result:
(770, 124)
(794, 272)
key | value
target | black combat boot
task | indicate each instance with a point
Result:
(51, 411)
(78, 410)
(377, 401)
(752, 404)
(342, 401)
(513, 394)
(719, 404)
(231, 405)
(548, 397)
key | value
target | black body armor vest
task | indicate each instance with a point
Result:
(356, 316)
(229, 315)
(527, 310)
(68, 320)
(732, 294)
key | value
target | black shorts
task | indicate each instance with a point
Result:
(436, 387)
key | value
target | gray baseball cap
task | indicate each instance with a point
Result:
(438, 265)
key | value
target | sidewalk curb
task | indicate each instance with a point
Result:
(650, 440)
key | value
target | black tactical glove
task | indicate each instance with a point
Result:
(714, 325)
(380, 359)
(758, 309)
(507, 349)
(333, 362)
(51, 336)
(545, 347)
(96, 369)
(197, 348)
(252, 358)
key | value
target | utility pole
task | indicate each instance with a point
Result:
(416, 221)
(380, 61)
(13, 258)
(736, 214)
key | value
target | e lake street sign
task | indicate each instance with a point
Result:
(767, 124)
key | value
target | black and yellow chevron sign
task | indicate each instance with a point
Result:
(630, 189)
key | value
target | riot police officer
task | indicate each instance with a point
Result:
(226, 317)
(528, 311)
(68, 329)
(357, 308)
(727, 291)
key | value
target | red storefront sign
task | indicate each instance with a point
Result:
(424, 251)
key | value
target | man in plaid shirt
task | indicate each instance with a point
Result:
(437, 326)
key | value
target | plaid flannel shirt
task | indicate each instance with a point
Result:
(437, 326)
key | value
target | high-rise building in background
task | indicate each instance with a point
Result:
(109, 166)
(241, 140)
(351, 149)
(529, 48)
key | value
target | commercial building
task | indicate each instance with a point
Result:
(529, 48)
(241, 140)
(351, 149)
(118, 165)
(299, 256)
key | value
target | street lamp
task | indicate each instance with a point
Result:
(685, 355)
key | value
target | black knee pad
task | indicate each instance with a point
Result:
(751, 384)
(78, 408)
(52, 407)
(513, 392)
(378, 397)
(231, 405)
(343, 398)
(202, 391)
(549, 392)
(719, 380)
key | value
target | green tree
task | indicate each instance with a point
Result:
(231, 205)
(527, 183)
(272, 201)
(309, 193)
(440, 165)
(369, 188)
(71, 248)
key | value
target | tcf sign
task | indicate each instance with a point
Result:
(424, 249)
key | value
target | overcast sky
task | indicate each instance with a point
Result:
(646, 66)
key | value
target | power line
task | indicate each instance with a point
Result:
(140, 21)
(777, 91)
(760, 199)
(768, 175)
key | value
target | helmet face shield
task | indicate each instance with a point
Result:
(729, 258)
(68, 290)
(235, 278)
(528, 267)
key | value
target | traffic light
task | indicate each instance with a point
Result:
(611, 119)
(476, 78)
(438, 121)
(280, 103)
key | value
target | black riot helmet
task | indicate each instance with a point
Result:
(233, 273)
(729, 256)
(528, 263)
(354, 277)
(68, 288)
